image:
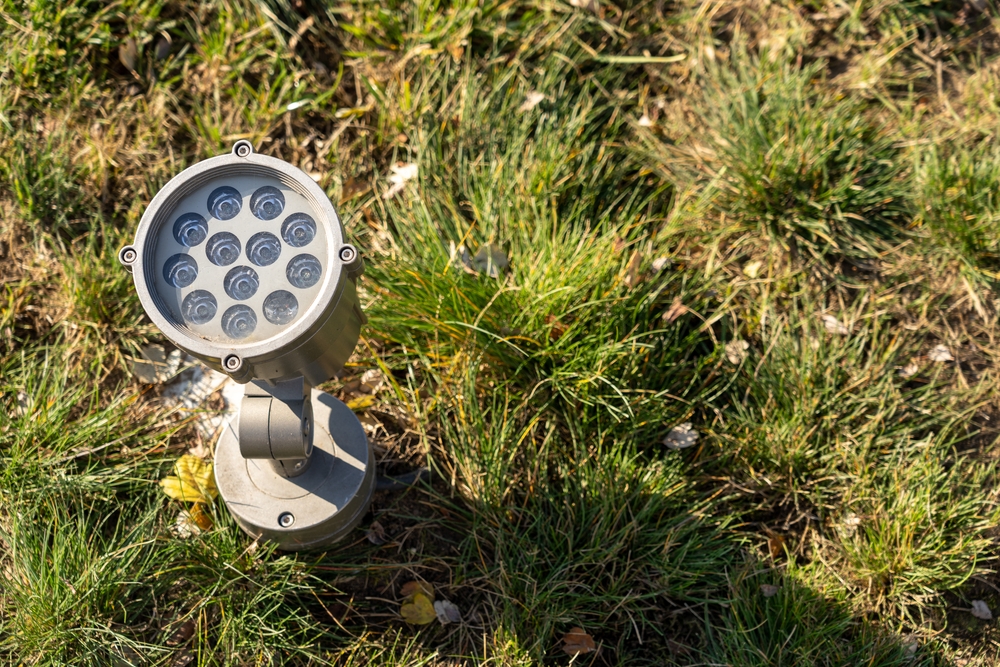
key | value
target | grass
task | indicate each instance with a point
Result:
(763, 219)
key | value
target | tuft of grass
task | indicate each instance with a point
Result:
(580, 532)
(807, 170)
(957, 202)
(775, 618)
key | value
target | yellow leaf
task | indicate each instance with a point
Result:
(361, 403)
(419, 611)
(192, 480)
(200, 517)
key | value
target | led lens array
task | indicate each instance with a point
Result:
(239, 259)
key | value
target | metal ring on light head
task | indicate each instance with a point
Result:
(241, 254)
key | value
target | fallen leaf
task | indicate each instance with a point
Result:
(632, 270)
(558, 328)
(531, 100)
(184, 527)
(361, 403)
(577, 641)
(981, 610)
(834, 326)
(376, 533)
(940, 354)
(457, 50)
(447, 612)
(200, 517)
(128, 54)
(163, 46)
(676, 310)
(414, 587)
(419, 610)
(400, 175)
(200, 450)
(354, 187)
(591, 6)
(183, 633)
(681, 436)
(909, 370)
(661, 263)
(491, 260)
(736, 350)
(182, 659)
(776, 545)
(752, 269)
(192, 481)
(769, 590)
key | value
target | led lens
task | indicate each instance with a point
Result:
(303, 271)
(241, 283)
(223, 249)
(263, 249)
(267, 203)
(280, 307)
(239, 321)
(225, 203)
(190, 229)
(180, 270)
(298, 230)
(199, 307)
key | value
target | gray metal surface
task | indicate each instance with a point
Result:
(314, 509)
(321, 337)
(275, 422)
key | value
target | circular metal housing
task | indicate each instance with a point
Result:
(242, 258)
(315, 508)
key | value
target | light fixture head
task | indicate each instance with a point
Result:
(241, 261)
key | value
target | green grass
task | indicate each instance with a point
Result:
(695, 188)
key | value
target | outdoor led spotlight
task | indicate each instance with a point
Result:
(241, 261)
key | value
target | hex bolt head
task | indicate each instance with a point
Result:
(285, 519)
(232, 362)
(127, 255)
(347, 254)
(242, 148)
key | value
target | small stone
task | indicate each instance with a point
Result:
(769, 590)
(681, 437)
(981, 610)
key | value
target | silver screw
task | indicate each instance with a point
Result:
(243, 148)
(285, 519)
(347, 254)
(232, 362)
(129, 256)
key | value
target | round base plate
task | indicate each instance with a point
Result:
(324, 503)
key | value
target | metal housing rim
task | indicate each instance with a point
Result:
(194, 177)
